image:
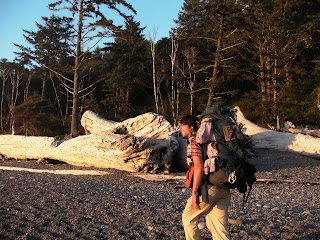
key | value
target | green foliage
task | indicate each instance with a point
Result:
(127, 72)
(299, 105)
(262, 56)
(37, 117)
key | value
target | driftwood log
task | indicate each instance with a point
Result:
(146, 143)
(268, 181)
(266, 138)
(142, 126)
(292, 128)
(142, 144)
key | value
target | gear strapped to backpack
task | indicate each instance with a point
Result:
(224, 149)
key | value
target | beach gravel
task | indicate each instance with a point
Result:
(120, 205)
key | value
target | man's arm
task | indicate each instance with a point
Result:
(197, 180)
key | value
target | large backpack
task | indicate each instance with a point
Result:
(225, 147)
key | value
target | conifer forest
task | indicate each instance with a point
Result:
(260, 55)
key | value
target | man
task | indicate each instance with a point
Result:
(216, 208)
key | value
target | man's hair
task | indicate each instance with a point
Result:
(190, 121)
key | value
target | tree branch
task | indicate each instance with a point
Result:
(58, 74)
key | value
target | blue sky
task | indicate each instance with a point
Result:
(16, 15)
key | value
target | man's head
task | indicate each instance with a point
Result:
(188, 125)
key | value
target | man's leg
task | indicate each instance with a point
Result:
(217, 217)
(190, 219)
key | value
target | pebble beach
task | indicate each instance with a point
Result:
(121, 205)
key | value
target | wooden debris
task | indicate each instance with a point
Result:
(266, 138)
(269, 181)
(142, 144)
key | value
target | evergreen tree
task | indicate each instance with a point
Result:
(50, 46)
(90, 20)
(189, 18)
(279, 33)
(128, 68)
(212, 29)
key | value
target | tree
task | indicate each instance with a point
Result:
(189, 19)
(211, 28)
(190, 74)
(192, 47)
(49, 48)
(12, 77)
(128, 74)
(279, 34)
(5, 71)
(173, 94)
(91, 24)
(224, 19)
(156, 87)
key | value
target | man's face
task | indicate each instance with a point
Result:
(185, 130)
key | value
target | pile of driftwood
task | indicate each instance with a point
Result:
(146, 143)
(289, 127)
(142, 144)
(283, 141)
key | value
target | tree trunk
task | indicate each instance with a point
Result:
(141, 144)
(268, 79)
(4, 80)
(15, 83)
(44, 85)
(26, 90)
(262, 77)
(153, 53)
(173, 95)
(75, 97)
(275, 89)
(217, 65)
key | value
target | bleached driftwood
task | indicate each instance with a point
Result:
(148, 125)
(93, 123)
(141, 144)
(268, 181)
(291, 128)
(265, 138)
(157, 128)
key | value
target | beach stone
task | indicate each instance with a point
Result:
(254, 228)
(306, 212)
(234, 221)
(266, 229)
(202, 225)
(243, 233)
(286, 236)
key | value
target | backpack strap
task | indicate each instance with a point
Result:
(205, 180)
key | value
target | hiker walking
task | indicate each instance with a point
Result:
(215, 207)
